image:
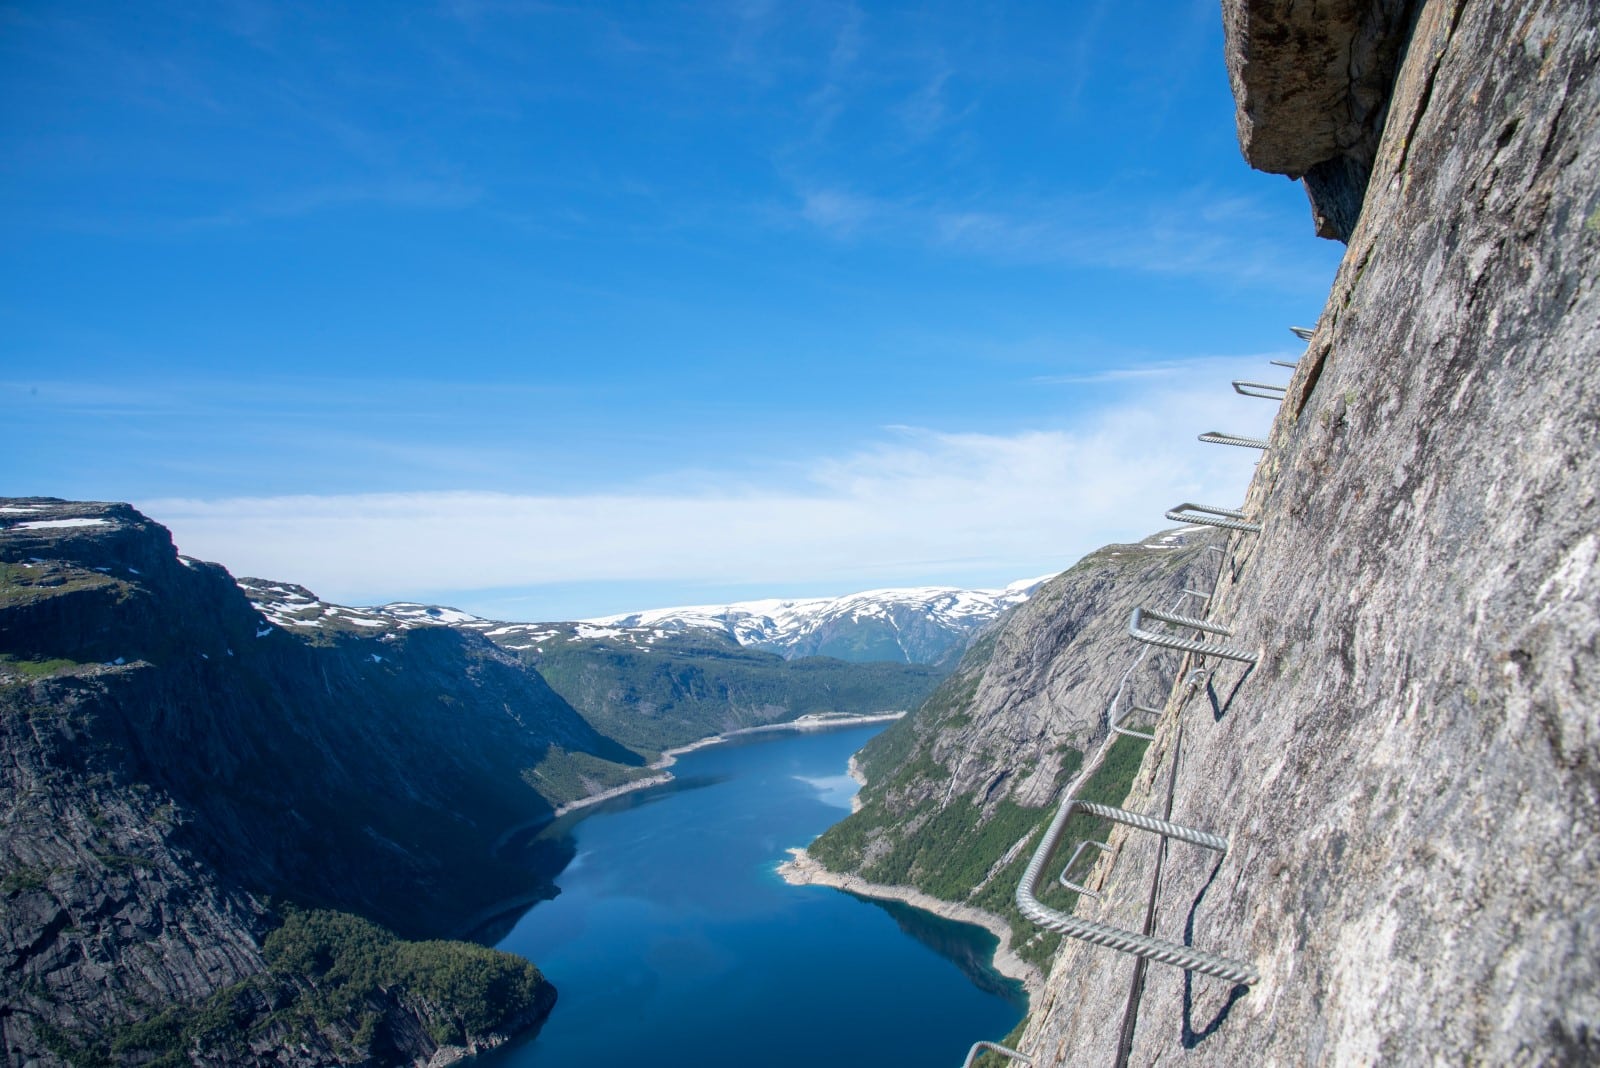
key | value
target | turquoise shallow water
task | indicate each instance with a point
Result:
(674, 942)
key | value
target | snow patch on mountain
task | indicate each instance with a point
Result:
(917, 624)
(925, 624)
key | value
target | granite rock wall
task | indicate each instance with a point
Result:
(1409, 776)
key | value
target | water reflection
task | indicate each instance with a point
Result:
(967, 947)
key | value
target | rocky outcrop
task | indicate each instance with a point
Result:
(1312, 87)
(170, 758)
(1409, 777)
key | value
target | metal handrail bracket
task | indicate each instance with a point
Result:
(1102, 934)
(1186, 645)
(1264, 390)
(1211, 516)
(1217, 437)
(1104, 847)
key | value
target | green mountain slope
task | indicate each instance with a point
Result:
(688, 686)
(956, 792)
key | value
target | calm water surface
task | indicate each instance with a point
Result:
(674, 942)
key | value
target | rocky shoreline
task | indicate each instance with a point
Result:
(802, 869)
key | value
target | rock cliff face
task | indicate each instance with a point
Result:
(1409, 776)
(170, 757)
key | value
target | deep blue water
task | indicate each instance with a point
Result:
(674, 942)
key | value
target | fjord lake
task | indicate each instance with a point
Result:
(674, 942)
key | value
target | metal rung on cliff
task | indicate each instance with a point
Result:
(1302, 332)
(1118, 728)
(993, 1047)
(1104, 847)
(1227, 518)
(1264, 390)
(1217, 437)
(1102, 934)
(1112, 719)
(1186, 645)
(1291, 364)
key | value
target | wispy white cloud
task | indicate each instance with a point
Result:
(395, 192)
(1186, 234)
(838, 212)
(827, 101)
(919, 506)
(926, 111)
(1145, 372)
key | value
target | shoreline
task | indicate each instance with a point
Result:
(811, 721)
(853, 770)
(802, 869)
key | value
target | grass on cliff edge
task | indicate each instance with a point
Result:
(36, 668)
(955, 845)
(26, 583)
(332, 975)
(568, 775)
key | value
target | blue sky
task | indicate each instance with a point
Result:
(552, 309)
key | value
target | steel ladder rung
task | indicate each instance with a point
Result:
(1217, 437)
(1211, 516)
(1118, 728)
(993, 1047)
(1187, 645)
(1302, 332)
(1264, 390)
(1291, 364)
(1103, 934)
(1104, 847)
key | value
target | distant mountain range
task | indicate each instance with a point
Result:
(669, 676)
(917, 625)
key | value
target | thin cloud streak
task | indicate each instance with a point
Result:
(919, 507)
(1187, 238)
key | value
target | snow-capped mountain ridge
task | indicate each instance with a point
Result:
(918, 624)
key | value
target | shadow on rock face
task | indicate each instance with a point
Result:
(1220, 707)
(1191, 1037)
